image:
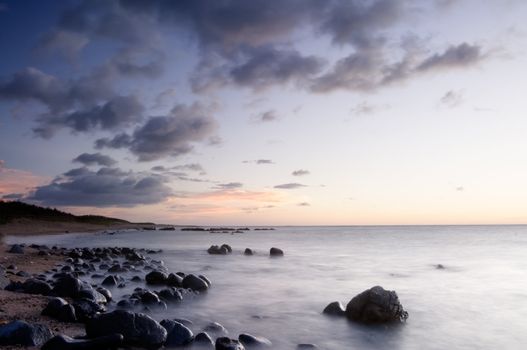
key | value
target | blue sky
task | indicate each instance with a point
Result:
(396, 112)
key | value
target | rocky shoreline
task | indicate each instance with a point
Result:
(58, 298)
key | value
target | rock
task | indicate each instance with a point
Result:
(93, 295)
(248, 251)
(24, 334)
(376, 305)
(110, 281)
(216, 250)
(440, 266)
(67, 286)
(170, 295)
(54, 306)
(227, 247)
(209, 283)
(4, 281)
(105, 292)
(34, 286)
(251, 341)
(137, 329)
(149, 298)
(306, 346)
(178, 335)
(125, 304)
(63, 342)
(216, 328)
(203, 340)
(16, 249)
(67, 314)
(174, 280)
(276, 252)
(335, 309)
(156, 277)
(225, 343)
(86, 309)
(194, 282)
(136, 279)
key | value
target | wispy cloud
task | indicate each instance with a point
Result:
(300, 172)
(290, 186)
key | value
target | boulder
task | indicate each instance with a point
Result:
(216, 328)
(251, 341)
(376, 305)
(149, 298)
(248, 251)
(227, 247)
(216, 250)
(34, 286)
(174, 280)
(203, 340)
(209, 283)
(110, 281)
(4, 281)
(156, 277)
(54, 306)
(16, 249)
(91, 294)
(105, 292)
(24, 334)
(177, 334)
(67, 314)
(195, 283)
(86, 309)
(224, 343)
(63, 342)
(276, 252)
(138, 329)
(170, 295)
(335, 309)
(67, 286)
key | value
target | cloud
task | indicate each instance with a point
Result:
(15, 182)
(95, 159)
(304, 204)
(290, 186)
(172, 135)
(228, 186)
(460, 188)
(300, 172)
(103, 188)
(268, 116)
(2, 165)
(264, 161)
(455, 56)
(452, 98)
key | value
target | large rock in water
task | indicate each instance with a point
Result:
(138, 330)
(67, 286)
(276, 252)
(251, 341)
(224, 343)
(335, 309)
(156, 277)
(23, 333)
(376, 305)
(194, 282)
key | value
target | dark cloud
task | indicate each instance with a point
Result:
(95, 159)
(268, 116)
(228, 186)
(461, 55)
(104, 188)
(300, 172)
(290, 186)
(171, 135)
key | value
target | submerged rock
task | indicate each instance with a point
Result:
(376, 305)
(24, 334)
(251, 341)
(203, 340)
(216, 328)
(137, 329)
(335, 308)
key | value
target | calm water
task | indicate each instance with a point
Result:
(479, 301)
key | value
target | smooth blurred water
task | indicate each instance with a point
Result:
(479, 301)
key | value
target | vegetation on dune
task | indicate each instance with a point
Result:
(10, 211)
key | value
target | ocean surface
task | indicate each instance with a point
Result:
(478, 301)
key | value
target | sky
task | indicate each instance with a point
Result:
(290, 112)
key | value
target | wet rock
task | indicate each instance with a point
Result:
(174, 280)
(440, 266)
(209, 283)
(54, 306)
(306, 346)
(24, 334)
(226, 246)
(93, 295)
(216, 328)
(225, 343)
(149, 298)
(67, 314)
(67, 286)
(136, 279)
(203, 340)
(276, 252)
(156, 277)
(105, 292)
(216, 250)
(22, 274)
(35, 286)
(137, 329)
(195, 283)
(335, 309)
(63, 342)
(110, 281)
(251, 341)
(4, 281)
(16, 249)
(248, 251)
(125, 304)
(376, 305)
(170, 295)
(177, 334)
(87, 309)
(184, 321)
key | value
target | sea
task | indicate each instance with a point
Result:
(477, 301)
